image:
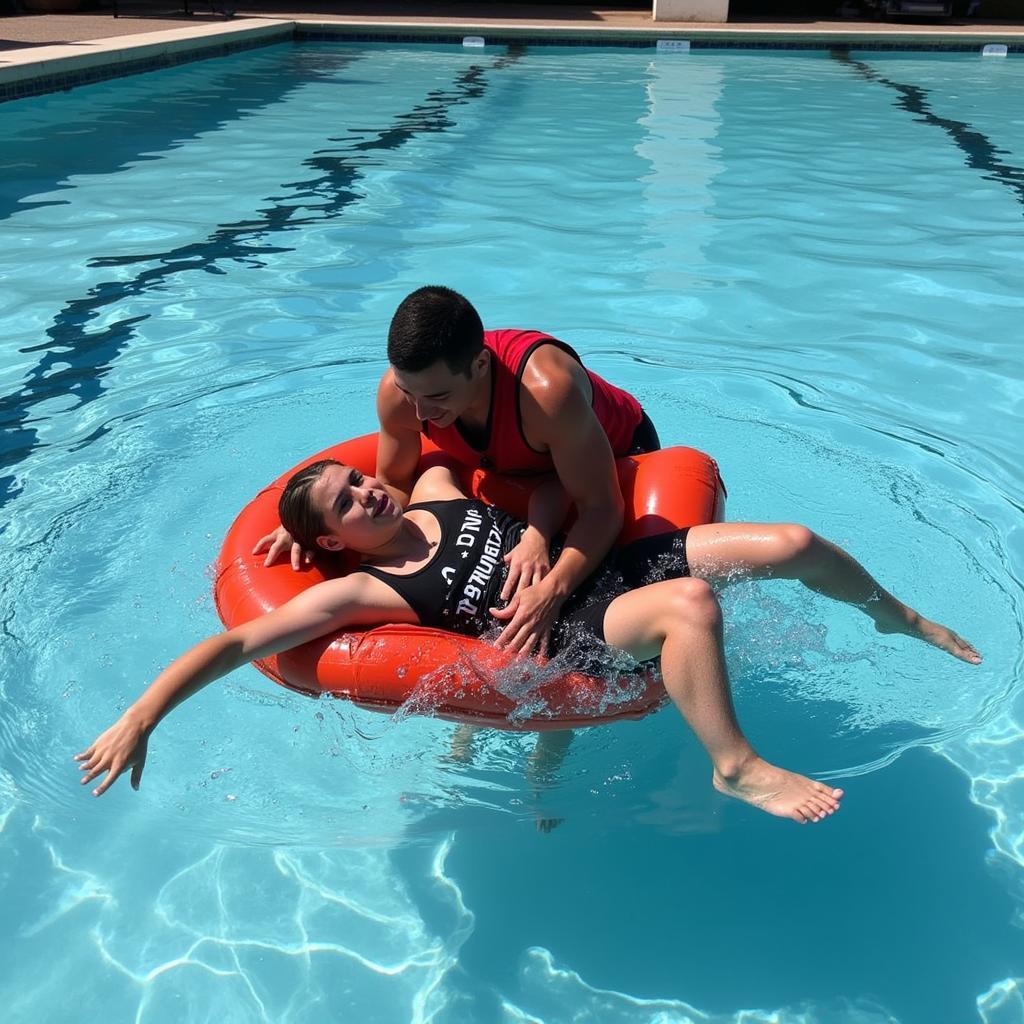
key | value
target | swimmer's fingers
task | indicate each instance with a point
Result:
(275, 544)
(300, 558)
(140, 764)
(122, 745)
(115, 766)
(112, 776)
(101, 763)
(93, 761)
(265, 542)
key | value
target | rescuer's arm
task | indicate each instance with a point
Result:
(559, 413)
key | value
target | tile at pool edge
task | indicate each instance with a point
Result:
(44, 61)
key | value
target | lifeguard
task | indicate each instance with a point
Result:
(516, 402)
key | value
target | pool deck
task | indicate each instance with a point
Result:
(49, 52)
(31, 30)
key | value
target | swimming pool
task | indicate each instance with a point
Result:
(807, 265)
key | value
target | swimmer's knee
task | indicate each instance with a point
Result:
(793, 543)
(693, 601)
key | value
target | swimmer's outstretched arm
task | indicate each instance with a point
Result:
(322, 609)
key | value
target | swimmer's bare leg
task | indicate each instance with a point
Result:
(729, 551)
(548, 754)
(543, 766)
(462, 743)
(680, 620)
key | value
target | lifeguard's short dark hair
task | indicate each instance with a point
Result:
(435, 324)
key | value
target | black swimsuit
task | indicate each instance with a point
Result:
(456, 589)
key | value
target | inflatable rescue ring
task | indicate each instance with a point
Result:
(440, 673)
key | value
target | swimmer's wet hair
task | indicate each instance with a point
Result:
(435, 324)
(299, 516)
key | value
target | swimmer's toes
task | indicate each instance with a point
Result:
(946, 640)
(828, 795)
(780, 792)
(827, 807)
(819, 805)
(968, 651)
(812, 811)
(813, 800)
(954, 644)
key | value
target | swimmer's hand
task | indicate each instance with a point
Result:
(122, 746)
(279, 541)
(531, 615)
(528, 563)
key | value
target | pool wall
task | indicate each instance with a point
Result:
(57, 68)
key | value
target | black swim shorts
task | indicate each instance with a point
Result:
(645, 438)
(645, 561)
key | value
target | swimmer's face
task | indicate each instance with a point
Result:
(357, 511)
(440, 396)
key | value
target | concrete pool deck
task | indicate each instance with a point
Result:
(51, 52)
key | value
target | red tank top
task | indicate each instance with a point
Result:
(503, 446)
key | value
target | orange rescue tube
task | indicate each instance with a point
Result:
(439, 673)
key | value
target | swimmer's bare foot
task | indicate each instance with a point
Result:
(778, 791)
(909, 622)
(946, 640)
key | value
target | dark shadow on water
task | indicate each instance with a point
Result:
(979, 150)
(73, 337)
(108, 134)
(890, 901)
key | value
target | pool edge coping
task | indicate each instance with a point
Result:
(44, 69)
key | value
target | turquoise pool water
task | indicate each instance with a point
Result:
(809, 265)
